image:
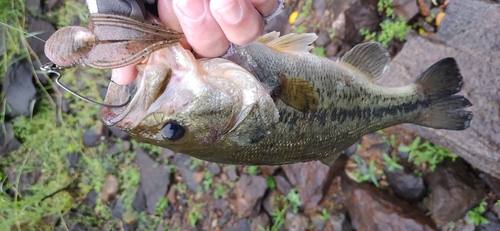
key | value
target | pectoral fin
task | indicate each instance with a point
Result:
(372, 59)
(329, 160)
(298, 93)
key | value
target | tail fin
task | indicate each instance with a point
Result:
(439, 83)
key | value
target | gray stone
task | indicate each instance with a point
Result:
(406, 9)
(296, 222)
(309, 178)
(371, 208)
(249, 193)
(180, 160)
(454, 191)
(214, 168)
(19, 88)
(469, 33)
(8, 142)
(155, 179)
(260, 222)
(406, 185)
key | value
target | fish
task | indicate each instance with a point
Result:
(272, 102)
(110, 41)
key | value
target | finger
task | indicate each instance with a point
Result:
(124, 75)
(200, 28)
(239, 20)
(169, 19)
(265, 7)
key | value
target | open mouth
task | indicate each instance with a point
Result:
(143, 92)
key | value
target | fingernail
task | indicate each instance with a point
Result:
(230, 10)
(193, 9)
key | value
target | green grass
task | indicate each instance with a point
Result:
(366, 173)
(48, 136)
(391, 162)
(425, 152)
(253, 169)
(476, 214)
(391, 28)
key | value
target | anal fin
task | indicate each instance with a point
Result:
(298, 93)
(329, 160)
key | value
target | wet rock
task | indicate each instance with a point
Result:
(339, 222)
(296, 222)
(231, 173)
(492, 182)
(109, 188)
(19, 89)
(319, 8)
(310, 179)
(73, 159)
(91, 198)
(406, 9)
(369, 209)
(362, 14)
(250, 190)
(323, 39)
(118, 133)
(406, 185)
(26, 178)
(214, 168)
(91, 138)
(270, 202)
(8, 142)
(243, 225)
(425, 7)
(117, 209)
(221, 204)
(155, 179)
(282, 184)
(318, 222)
(180, 160)
(493, 222)
(260, 222)
(480, 78)
(454, 191)
(269, 169)
(226, 216)
(139, 203)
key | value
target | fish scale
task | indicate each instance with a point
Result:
(288, 105)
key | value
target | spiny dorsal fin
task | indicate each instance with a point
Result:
(298, 93)
(290, 43)
(371, 58)
(268, 37)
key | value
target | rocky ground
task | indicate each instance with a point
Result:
(61, 169)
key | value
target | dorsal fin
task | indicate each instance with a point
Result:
(268, 37)
(372, 59)
(290, 43)
(298, 93)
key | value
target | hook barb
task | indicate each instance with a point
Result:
(54, 69)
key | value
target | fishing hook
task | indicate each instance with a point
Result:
(54, 69)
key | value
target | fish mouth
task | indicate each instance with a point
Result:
(142, 92)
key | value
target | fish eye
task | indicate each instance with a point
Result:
(172, 131)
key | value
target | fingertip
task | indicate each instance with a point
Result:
(238, 19)
(169, 19)
(200, 28)
(124, 75)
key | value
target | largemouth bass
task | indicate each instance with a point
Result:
(272, 102)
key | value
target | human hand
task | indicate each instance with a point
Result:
(209, 26)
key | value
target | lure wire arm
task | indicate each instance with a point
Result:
(51, 68)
